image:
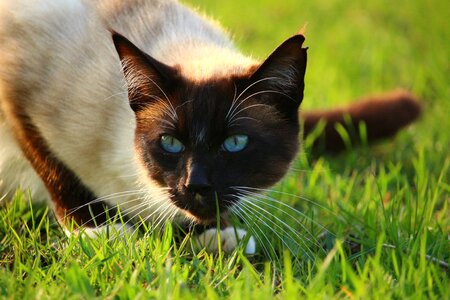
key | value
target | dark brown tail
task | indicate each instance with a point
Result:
(383, 116)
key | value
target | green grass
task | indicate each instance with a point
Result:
(385, 210)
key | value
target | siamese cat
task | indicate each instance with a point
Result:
(146, 108)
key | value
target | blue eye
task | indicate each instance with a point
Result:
(171, 144)
(235, 143)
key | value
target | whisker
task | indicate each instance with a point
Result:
(285, 209)
(147, 218)
(136, 174)
(169, 124)
(232, 123)
(165, 95)
(271, 229)
(139, 213)
(250, 194)
(106, 211)
(147, 207)
(115, 95)
(164, 215)
(265, 214)
(235, 100)
(241, 213)
(183, 104)
(167, 108)
(255, 83)
(244, 188)
(298, 170)
(231, 120)
(233, 113)
(103, 198)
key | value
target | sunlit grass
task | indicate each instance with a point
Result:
(374, 223)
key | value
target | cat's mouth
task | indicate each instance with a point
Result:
(202, 208)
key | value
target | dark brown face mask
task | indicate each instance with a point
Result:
(201, 140)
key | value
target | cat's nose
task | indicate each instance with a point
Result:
(197, 182)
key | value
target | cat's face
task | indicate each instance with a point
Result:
(202, 140)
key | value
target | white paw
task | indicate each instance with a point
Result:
(229, 240)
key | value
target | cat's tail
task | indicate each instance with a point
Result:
(338, 129)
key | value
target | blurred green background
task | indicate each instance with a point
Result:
(356, 47)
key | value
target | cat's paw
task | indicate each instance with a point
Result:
(230, 238)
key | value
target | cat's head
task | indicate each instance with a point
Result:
(202, 140)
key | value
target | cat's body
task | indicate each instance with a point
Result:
(65, 108)
(71, 50)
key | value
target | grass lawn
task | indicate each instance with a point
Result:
(371, 223)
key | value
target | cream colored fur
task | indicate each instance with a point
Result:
(61, 53)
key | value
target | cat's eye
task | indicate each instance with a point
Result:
(171, 144)
(235, 143)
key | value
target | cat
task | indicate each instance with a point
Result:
(147, 108)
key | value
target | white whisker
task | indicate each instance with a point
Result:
(265, 215)
(234, 111)
(169, 124)
(236, 99)
(290, 208)
(165, 95)
(232, 123)
(107, 197)
(244, 189)
(241, 213)
(106, 211)
(231, 120)
(115, 95)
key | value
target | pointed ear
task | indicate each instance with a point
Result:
(147, 79)
(283, 72)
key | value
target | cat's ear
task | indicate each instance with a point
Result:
(147, 78)
(283, 74)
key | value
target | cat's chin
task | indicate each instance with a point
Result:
(201, 214)
(201, 219)
(198, 220)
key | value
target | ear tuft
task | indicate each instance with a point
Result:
(283, 72)
(146, 77)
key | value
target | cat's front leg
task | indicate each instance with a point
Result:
(230, 238)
